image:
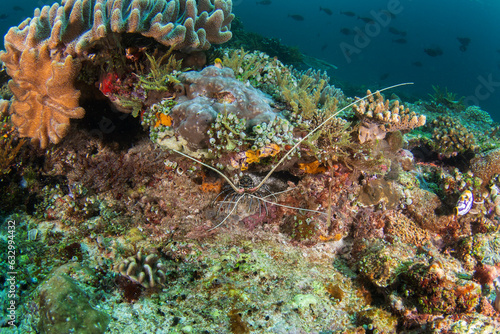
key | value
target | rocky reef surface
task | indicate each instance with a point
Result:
(222, 191)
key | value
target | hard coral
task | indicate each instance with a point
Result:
(42, 54)
(379, 117)
(451, 138)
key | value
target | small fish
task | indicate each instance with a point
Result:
(296, 17)
(395, 31)
(3, 16)
(218, 63)
(264, 2)
(326, 10)
(400, 41)
(417, 64)
(346, 31)
(384, 76)
(350, 14)
(464, 40)
(434, 51)
(367, 20)
(323, 48)
(18, 8)
(464, 43)
(464, 203)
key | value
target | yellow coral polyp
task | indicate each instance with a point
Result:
(162, 119)
(252, 156)
(312, 167)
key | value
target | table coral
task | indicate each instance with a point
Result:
(59, 36)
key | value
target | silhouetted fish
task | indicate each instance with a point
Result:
(346, 31)
(366, 19)
(434, 51)
(326, 10)
(3, 16)
(350, 14)
(264, 2)
(323, 48)
(18, 8)
(296, 17)
(388, 13)
(384, 76)
(400, 41)
(395, 31)
(417, 64)
(464, 43)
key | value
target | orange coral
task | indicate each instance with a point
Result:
(162, 119)
(269, 150)
(211, 187)
(45, 97)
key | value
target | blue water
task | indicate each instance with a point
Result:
(378, 61)
(474, 73)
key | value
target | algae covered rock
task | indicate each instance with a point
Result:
(64, 305)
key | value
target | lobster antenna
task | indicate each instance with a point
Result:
(318, 127)
(212, 168)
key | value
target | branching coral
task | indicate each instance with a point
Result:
(55, 40)
(379, 117)
(244, 65)
(310, 95)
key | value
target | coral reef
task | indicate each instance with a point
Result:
(359, 229)
(77, 26)
(219, 113)
(486, 165)
(451, 138)
(378, 117)
(147, 271)
(59, 37)
(45, 97)
(65, 306)
(8, 147)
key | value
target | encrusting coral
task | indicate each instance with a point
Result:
(58, 37)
